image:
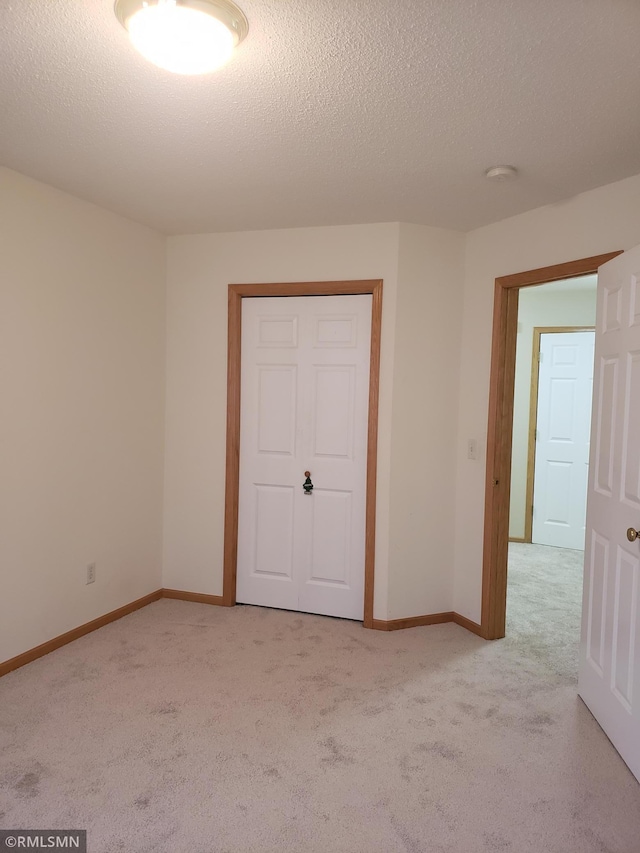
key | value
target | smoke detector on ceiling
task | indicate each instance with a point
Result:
(501, 173)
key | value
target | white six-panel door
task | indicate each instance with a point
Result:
(304, 407)
(565, 387)
(609, 680)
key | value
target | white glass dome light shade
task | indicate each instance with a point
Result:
(180, 39)
(183, 36)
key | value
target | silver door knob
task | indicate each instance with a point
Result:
(633, 534)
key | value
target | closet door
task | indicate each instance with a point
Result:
(304, 407)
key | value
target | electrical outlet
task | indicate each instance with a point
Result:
(472, 449)
(91, 573)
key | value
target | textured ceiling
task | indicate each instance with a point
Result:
(331, 112)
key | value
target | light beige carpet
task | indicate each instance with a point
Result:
(544, 606)
(185, 727)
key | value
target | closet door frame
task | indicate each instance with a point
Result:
(238, 292)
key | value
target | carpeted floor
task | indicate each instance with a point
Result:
(544, 606)
(185, 727)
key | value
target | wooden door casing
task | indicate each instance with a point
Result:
(236, 293)
(499, 427)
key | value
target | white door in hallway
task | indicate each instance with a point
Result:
(304, 407)
(609, 680)
(565, 387)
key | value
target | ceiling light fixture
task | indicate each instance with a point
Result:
(183, 36)
(501, 173)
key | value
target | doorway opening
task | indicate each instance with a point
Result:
(500, 425)
(553, 389)
(238, 292)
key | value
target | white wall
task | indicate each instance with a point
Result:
(81, 429)
(602, 220)
(541, 306)
(421, 268)
(425, 410)
(199, 270)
